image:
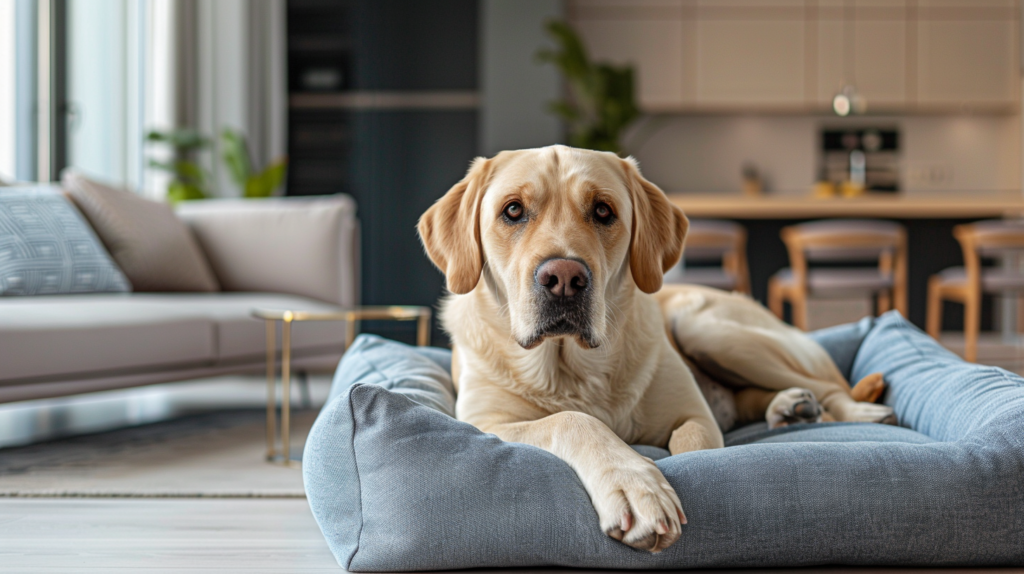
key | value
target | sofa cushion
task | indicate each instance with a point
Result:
(239, 336)
(72, 334)
(396, 485)
(304, 246)
(152, 246)
(47, 248)
(81, 335)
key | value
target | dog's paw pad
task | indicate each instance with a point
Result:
(639, 508)
(793, 406)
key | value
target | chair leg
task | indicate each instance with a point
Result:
(775, 297)
(972, 324)
(884, 302)
(933, 322)
(1020, 314)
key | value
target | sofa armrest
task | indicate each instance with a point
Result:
(295, 245)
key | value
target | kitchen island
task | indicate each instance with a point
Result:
(928, 217)
(939, 205)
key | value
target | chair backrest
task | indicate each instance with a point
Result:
(987, 238)
(719, 239)
(844, 239)
(840, 240)
(991, 237)
(713, 238)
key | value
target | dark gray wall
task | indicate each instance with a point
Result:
(516, 89)
(403, 162)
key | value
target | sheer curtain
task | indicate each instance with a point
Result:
(8, 134)
(241, 78)
(106, 63)
(137, 65)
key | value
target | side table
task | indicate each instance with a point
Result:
(286, 317)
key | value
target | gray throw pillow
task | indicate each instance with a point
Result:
(47, 248)
(154, 248)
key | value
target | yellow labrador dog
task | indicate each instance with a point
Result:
(551, 256)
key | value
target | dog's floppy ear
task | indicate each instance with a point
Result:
(450, 230)
(659, 230)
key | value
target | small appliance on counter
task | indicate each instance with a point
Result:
(860, 159)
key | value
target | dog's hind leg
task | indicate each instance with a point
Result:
(752, 403)
(778, 408)
(741, 343)
(693, 435)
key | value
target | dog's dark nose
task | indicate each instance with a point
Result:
(563, 277)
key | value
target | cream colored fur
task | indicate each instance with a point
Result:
(586, 398)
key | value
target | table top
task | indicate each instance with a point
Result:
(392, 312)
(940, 205)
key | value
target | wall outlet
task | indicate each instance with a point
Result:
(929, 175)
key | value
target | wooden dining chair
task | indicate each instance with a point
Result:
(966, 284)
(841, 241)
(719, 241)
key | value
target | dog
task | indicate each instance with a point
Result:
(564, 339)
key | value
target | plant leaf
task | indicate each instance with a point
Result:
(191, 172)
(180, 191)
(235, 153)
(264, 183)
(601, 97)
(162, 165)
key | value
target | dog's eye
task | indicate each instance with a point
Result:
(513, 211)
(603, 213)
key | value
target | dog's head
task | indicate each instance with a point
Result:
(558, 234)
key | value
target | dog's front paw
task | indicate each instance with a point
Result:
(638, 507)
(793, 406)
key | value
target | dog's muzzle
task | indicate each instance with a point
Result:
(563, 294)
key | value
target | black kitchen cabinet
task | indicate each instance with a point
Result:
(395, 160)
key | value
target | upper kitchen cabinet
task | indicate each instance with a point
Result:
(750, 53)
(647, 34)
(903, 56)
(863, 43)
(968, 54)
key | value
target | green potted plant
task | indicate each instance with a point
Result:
(235, 153)
(600, 102)
(188, 179)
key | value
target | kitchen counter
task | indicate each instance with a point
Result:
(940, 205)
(929, 218)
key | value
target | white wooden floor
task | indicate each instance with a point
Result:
(198, 535)
(162, 535)
(205, 535)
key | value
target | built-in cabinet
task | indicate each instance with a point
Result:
(792, 55)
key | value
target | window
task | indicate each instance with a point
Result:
(105, 89)
(8, 159)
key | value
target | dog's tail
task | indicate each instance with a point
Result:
(869, 389)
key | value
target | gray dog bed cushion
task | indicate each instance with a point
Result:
(396, 483)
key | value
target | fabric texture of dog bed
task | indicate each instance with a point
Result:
(396, 483)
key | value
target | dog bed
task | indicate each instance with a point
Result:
(396, 483)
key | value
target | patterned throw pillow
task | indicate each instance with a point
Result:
(155, 249)
(47, 248)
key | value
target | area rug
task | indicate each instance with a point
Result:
(217, 455)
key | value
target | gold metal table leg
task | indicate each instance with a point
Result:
(423, 331)
(286, 394)
(271, 402)
(350, 330)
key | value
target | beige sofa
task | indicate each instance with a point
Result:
(293, 253)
